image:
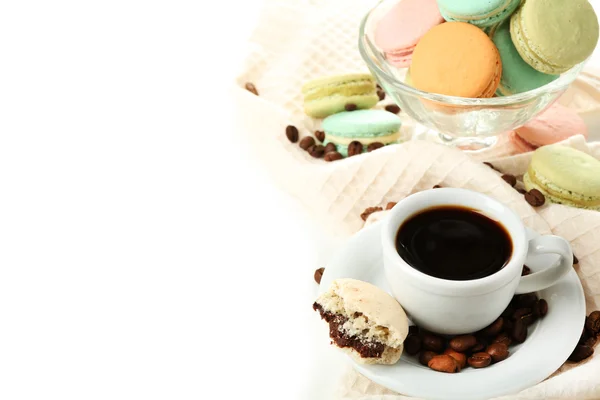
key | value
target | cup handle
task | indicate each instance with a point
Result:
(543, 279)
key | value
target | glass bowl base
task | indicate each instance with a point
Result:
(468, 144)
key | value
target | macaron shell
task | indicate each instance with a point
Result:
(554, 35)
(519, 143)
(554, 125)
(456, 59)
(479, 13)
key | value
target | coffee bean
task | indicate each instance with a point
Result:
(319, 275)
(508, 326)
(329, 147)
(307, 142)
(374, 146)
(369, 211)
(575, 260)
(380, 94)
(412, 344)
(526, 270)
(591, 341)
(580, 353)
(333, 156)
(378, 86)
(292, 133)
(355, 148)
(584, 335)
(437, 187)
(510, 179)
(526, 300)
(393, 108)
(498, 351)
(535, 198)
(316, 151)
(460, 358)
(494, 328)
(541, 308)
(462, 343)
(519, 331)
(350, 107)
(481, 345)
(251, 88)
(490, 165)
(443, 363)
(592, 323)
(320, 135)
(432, 342)
(413, 330)
(525, 315)
(480, 360)
(508, 312)
(503, 338)
(426, 356)
(521, 191)
(390, 205)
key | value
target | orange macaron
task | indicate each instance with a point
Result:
(456, 59)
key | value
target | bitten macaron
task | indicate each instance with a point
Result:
(565, 176)
(517, 75)
(403, 26)
(456, 59)
(330, 95)
(363, 126)
(554, 35)
(554, 125)
(477, 12)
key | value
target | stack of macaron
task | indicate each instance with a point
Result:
(486, 48)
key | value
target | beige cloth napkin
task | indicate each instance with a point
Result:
(298, 40)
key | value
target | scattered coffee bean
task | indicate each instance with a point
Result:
(490, 165)
(462, 343)
(333, 156)
(581, 352)
(380, 94)
(412, 344)
(350, 107)
(413, 330)
(584, 335)
(494, 328)
(540, 308)
(510, 179)
(390, 205)
(460, 358)
(503, 338)
(498, 351)
(374, 146)
(526, 300)
(480, 360)
(369, 211)
(535, 198)
(432, 342)
(355, 148)
(591, 341)
(378, 86)
(507, 313)
(508, 326)
(443, 363)
(307, 142)
(320, 135)
(575, 260)
(251, 88)
(292, 133)
(426, 356)
(481, 345)
(316, 151)
(526, 270)
(525, 315)
(329, 147)
(519, 331)
(522, 191)
(393, 108)
(592, 323)
(437, 187)
(319, 275)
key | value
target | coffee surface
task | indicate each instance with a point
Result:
(454, 243)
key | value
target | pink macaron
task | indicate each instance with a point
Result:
(399, 31)
(554, 125)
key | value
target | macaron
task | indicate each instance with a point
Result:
(363, 126)
(456, 59)
(554, 125)
(330, 95)
(477, 12)
(364, 321)
(554, 35)
(399, 31)
(565, 176)
(517, 75)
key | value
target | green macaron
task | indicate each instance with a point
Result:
(330, 95)
(517, 75)
(565, 176)
(554, 35)
(477, 12)
(363, 126)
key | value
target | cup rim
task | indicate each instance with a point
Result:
(487, 284)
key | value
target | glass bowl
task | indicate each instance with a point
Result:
(467, 123)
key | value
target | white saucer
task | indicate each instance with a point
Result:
(549, 343)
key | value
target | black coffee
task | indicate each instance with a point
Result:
(454, 243)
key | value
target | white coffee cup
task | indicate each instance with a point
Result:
(457, 307)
